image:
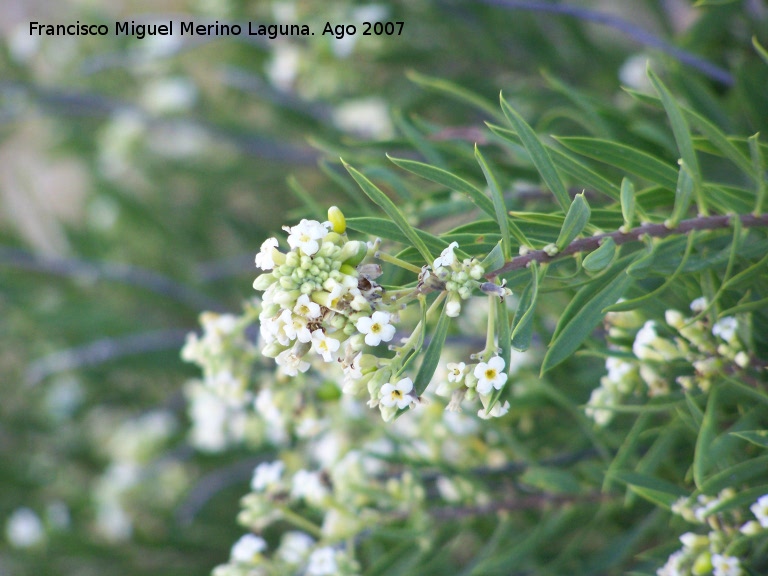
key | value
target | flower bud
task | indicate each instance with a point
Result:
(263, 281)
(337, 220)
(353, 252)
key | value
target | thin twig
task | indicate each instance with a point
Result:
(77, 267)
(632, 31)
(104, 350)
(634, 235)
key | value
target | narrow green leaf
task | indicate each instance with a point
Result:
(625, 158)
(757, 162)
(760, 50)
(539, 156)
(498, 204)
(551, 480)
(580, 322)
(305, 198)
(388, 230)
(424, 146)
(628, 203)
(575, 221)
(702, 460)
(679, 127)
(683, 196)
(494, 260)
(505, 350)
(585, 176)
(756, 437)
(651, 488)
(432, 354)
(523, 320)
(601, 258)
(445, 178)
(736, 475)
(383, 201)
(455, 91)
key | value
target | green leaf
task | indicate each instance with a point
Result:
(625, 158)
(757, 437)
(494, 260)
(390, 231)
(702, 460)
(575, 221)
(679, 127)
(628, 203)
(757, 162)
(683, 195)
(455, 91)
(505, 351)
(445, 178)
(736, 475)
(584, 312)
(651, 488)
(306, 198)
(760, 50)
(581, 173)
(383, 201)
(498, 205)
(523, 320)
(432, 355)
(539, 156)
(601, 258)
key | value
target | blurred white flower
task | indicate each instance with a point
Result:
(366, 117)
(24, 529)
(247, 548)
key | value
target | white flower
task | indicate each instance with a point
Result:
(291, 363)
(247, 548)
(377, 328)
(725, 328)
(324, 345)
(24, 528)
(308, 485)
(456, 371)
(305, 236)
(699, 304)
(490, 375)
(266, 474)
(674, 565)
(644, 339)
(264, 257)
(453, 305)
(497, 411)
(306, 308)
(447, 258)
(322, 562)
(294, 547)
(396, 394)
(295, 327)
(725, 565)
(760, 510)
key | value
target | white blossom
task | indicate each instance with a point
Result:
(497, 411)
(760, 510)
(291, 363)
(24, 528)
(322, 562)
(324, 345)
(376, 328)
(699, 304)
(294, 547)
(725, 328)
(309, 486)
(725, 565)
(447, 258)
(246, 548)
(264, 257)
(305, 236)
(490, 375)
(456, 371)
(396, 394)
(306, 308)
(266, 474)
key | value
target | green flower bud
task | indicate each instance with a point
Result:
(353, 252)
(264, 281)
(337, 220)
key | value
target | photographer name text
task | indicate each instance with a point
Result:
(191, 28)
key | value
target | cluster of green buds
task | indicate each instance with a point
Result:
(459, 278)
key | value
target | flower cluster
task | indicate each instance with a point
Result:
(688, 351)
(460, 278)
(715, 552)
(321, 304)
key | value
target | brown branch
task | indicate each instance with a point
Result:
(634, 235)
(534, 502)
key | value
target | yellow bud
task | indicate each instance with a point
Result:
(338, 222)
